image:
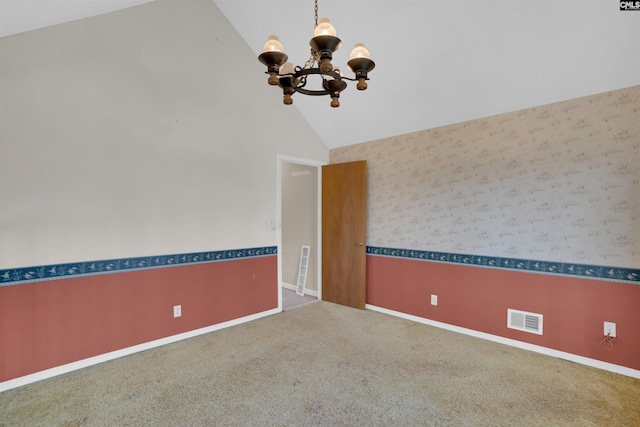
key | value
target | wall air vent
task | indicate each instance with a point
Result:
(524, 321)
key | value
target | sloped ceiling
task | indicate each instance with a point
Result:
(438, 62)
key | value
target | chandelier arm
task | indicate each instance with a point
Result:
(352, 80)
(307, 71)
(301, 76)
(302, 82)
(312, 92)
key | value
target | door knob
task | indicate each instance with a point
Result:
(360, 244)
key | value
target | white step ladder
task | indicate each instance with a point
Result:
(302, 271)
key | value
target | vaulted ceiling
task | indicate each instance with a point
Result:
(438, 62)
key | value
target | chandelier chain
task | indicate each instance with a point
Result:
(315, 9)
(312, 59)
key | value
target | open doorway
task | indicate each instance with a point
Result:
(299, 208)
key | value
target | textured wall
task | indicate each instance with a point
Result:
(559, 182)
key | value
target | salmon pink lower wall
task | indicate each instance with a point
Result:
(477, 298)
(52, 323)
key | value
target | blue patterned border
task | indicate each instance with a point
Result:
(626, 275)
(17, 276)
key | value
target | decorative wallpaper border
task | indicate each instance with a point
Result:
(18, 276)
(616, 274)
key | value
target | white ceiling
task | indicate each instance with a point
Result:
(438, 62)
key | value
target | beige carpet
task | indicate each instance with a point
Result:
(324, 364)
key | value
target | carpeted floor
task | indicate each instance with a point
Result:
(324, 364)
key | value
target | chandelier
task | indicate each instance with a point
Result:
(323, 44)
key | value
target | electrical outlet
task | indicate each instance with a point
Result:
(177, 310)
(610, 329)
(434, 299)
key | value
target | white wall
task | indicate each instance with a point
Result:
(149, 130)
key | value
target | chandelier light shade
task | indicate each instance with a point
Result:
(323, 44)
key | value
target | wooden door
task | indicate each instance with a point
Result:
(344, 227)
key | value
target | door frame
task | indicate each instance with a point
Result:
(318, 165)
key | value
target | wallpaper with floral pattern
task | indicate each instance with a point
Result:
(560, 182)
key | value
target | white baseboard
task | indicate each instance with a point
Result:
(622, 370)
(63, 369)
(291, 287)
